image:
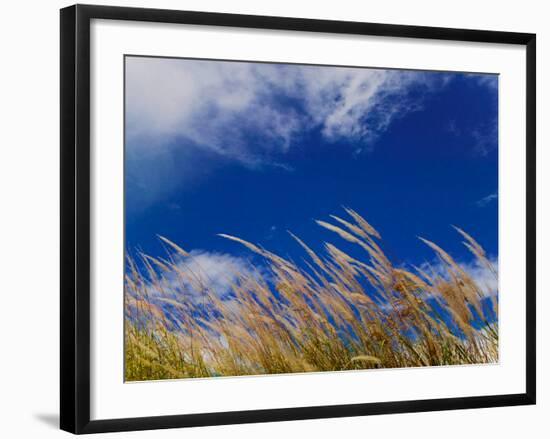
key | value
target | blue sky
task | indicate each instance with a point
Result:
(254, 150)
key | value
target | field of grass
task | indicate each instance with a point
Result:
(331, 312)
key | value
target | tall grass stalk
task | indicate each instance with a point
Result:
(333, 312)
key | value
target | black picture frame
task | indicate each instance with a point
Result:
(75, 217)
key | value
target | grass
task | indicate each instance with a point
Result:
(333, 312)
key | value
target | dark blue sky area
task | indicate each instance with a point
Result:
(431, 167)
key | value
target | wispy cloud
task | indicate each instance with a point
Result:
(481, 139)
(489, 80)
(201, 271)
(485, 138)
(181, 114)
(484, 277)
(482, 136)
(487, 200)
(251, 112)
(217, 271)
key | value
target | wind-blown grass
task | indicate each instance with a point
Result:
(334, 312)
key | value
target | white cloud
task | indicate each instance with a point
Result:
(212, 105)
(481, 274)
(485, 137)
(216, 271)
(193, 282)
(251, 112)
(486, 200)
(186, 117)
(199, 272)
(489, 80)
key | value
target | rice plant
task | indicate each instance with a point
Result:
(331, 312)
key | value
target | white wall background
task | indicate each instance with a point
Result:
(29, 206)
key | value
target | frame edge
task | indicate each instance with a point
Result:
(75, 219)
(531, 215)
(68, 389)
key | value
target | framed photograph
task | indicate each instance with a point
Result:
(268, 218)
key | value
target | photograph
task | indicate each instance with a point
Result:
(292, 218)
